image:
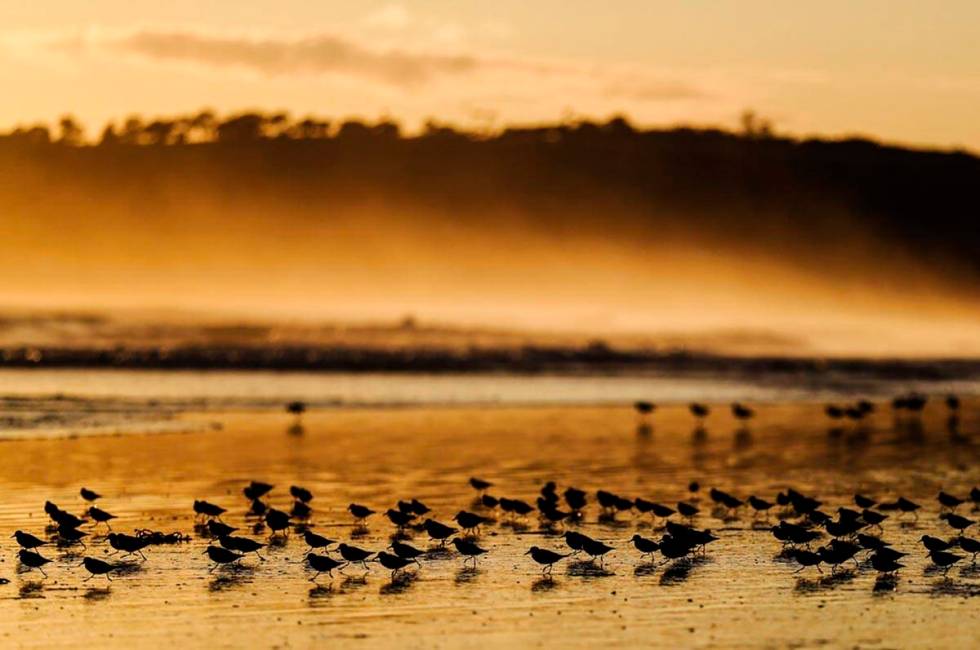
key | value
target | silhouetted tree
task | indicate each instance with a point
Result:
(71, 132)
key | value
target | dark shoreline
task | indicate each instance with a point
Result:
(594, 359)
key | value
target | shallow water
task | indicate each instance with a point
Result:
(739, 595)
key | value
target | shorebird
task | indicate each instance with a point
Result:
(944, 560)
(97, 568)
(242, 545)
(833, 411)
(68, 536)
(359, 512)
(33, 560)
(219, 529)
(208, 510)
(644, 407)
(934, 543)
(596, 549)
(300, 493)
(256, 490)
(469, 521)
(488, 501)
(742, 412)
(61, 517)
(952, 402)
(316, 541)
(698, 410)
(296, 408)
(760, 505)
(645, 546)
(438, 531)
(956, 521)
(873, 518)
(884, 564)
(687, 510)
(545, 558)
(28, 541)
(322, 564)
(100, 516)
(257, 508)
(470, 550)
(948, 501)
(576, 499)
(908, 506)
(355, 554)
(220, 556)
(576, 540)
(970, 545)
(516, 506)
(479, 484)
(392, 562)
(128, 544)
(864, 502)
(399, 518)
(407, 552)
(89, 495)
(806, 559)
(277, 520)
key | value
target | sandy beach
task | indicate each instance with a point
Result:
(741, 594)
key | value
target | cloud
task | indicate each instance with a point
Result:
(317, 54)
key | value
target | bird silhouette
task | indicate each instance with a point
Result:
(128, 544)
(957, 522)
(469, 521)
(438, 531)
(28, 541)
(322, 564)
(101, 516)
(479, 484)
(208, 510)
(698, 410)
(468, 549)
(359, 512)
(944, 560)
(300, 493)
(948, 501)
(392, 562)
(596, 549)
(970, 545)
(89, 495)
(354, 554)
(241, 545)
(97, 567)
(545, 558)
(219, 529)
(883, 564)
(221, 556)
(256, 490)
(33, 560)
(316, 541)
(407, 551)
(646, 547)
(277, 520)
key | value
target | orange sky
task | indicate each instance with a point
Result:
(900, 70)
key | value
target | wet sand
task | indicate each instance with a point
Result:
(740, 595)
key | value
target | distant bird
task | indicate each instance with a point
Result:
(975, 496)
(392, 562)
(354, 554)
(420, 508)
(28, 541)
(948, 500)
(907, 506)
(438, 531)
(101, 516)
(934, 543)
(322, 564)
(864, 406)
(68, 536)
(871, 543)
(698, 410)
(516, 506)
(553, 515)
(806, 559)
(488, 501)
(952, 402)
(277, 520)
(300, 510)
(242, 545)
(864, 502)
(970, 545)
(208, 510)
(89, 495)
(359, 512)
(97, 567)
(296, 408)
(220, 556)
(873, 518)
(687, 510)
(128, 544)
(542, 556)
(300, 493)
(576, 499)
(470, 550)
(407, 551)
(607, 500)
(741, 412)
(256, 490)
(316, 541)
(942, 559)
(399, 518)
(693, 488)
(33, 560)
(646, 547)
(219, 528)
(575, 540)
(833, 411)
(469, 521)
(479, 484)
(760, 505)
(644, 408)
(596, 549)
(883, 564)
(62, 518)
(957, 522)
(257, 508)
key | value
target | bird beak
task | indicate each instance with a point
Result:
(527, 553)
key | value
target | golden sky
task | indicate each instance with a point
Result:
(900, 70)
